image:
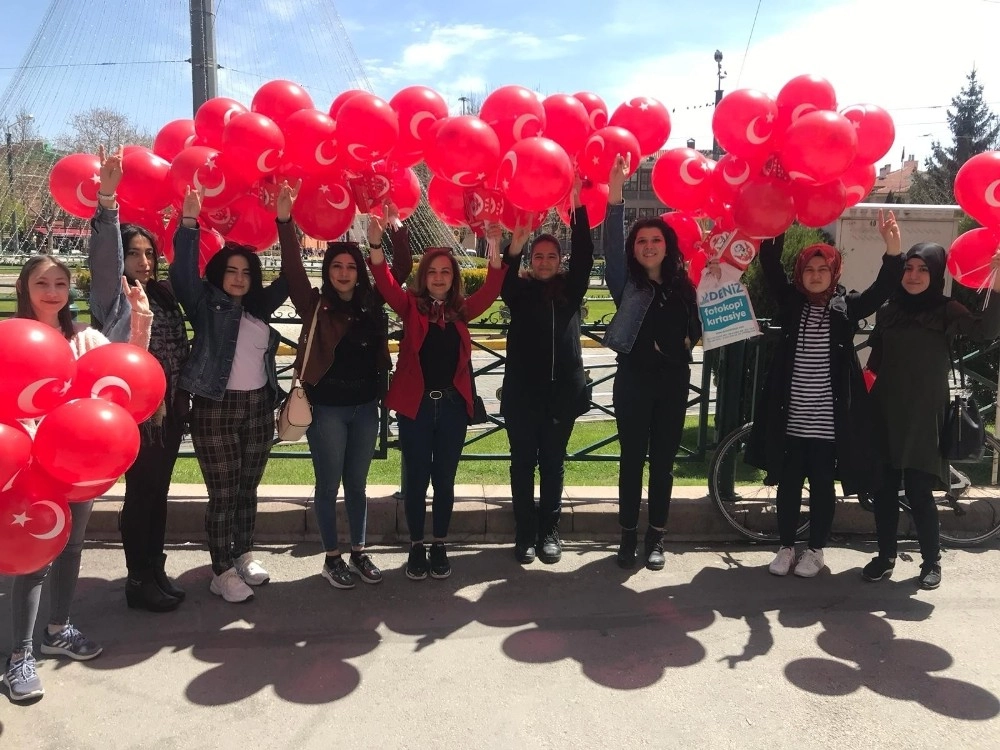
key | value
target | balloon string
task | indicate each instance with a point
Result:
(990, 281)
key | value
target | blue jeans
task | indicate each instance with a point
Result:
(431, 445)
(342, 441)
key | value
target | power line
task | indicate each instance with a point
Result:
(94, 64)
(749, 39)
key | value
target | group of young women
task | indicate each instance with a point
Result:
(818, 421)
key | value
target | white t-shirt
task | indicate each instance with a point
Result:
(249, 372)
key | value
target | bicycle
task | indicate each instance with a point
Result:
(968, 512)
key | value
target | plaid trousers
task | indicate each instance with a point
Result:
(232, 440)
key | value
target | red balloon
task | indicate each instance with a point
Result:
(32, 532)
(145, 180)
(875, 129)
(279, 100)
(514, 113)
(730, 174)
(819, 147)
(252, 145)
(122, 374)
(687, 230)
(597, 110)
(696, 265)
(598, 156)
(151, 220)
(173, 138)
(567, 122)
(200, 167)
(38, 367)
(764, 208)
(342, 97)
(447, 200)
(800, 96)
(512, 217)
(36, 483)
(645, 118)
(209, 240)
(212, 118)
(681, 179)
(404, 191)
(310, 141)
(73, 182)
(859, 179)
(465, 151)
(417, 108)
(245, 221)
(87, 440)
(324, 209)
(818, 205)
(15, 451)
(594, 197)
(744, 124)
(535, 174)
(977, 188)
(970, 254)
(367, 130)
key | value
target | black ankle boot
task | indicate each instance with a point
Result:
(627, 550)
(142, 592)
(167, 586)
(653, 544)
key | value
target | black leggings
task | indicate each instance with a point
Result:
(919, 495)
(817, 460)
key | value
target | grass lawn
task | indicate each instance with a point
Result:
(386, 471)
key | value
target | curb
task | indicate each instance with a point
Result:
(482, 515)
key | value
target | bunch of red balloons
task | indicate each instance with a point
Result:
(790, 158)
(87, 412)
(977, 190)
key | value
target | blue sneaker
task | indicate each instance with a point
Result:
(70, 642)
(21, 679)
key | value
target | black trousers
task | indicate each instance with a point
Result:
(816, 460)
(920, 497)
(536, 439)
(143, 520)
(649, 408)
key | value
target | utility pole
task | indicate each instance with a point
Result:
(716, 151)
(204, 81)
(465, 101)
(10, 191)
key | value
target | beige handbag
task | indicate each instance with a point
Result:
(295, 414)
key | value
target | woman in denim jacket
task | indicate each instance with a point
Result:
(234, 380)
(130, 250)
(653, 330)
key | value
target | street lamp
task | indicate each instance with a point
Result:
(716, 151)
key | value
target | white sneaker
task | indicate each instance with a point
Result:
(250, 570)
(810, 563)
(231, 587)
(782, 562)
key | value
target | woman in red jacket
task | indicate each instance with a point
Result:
(431, 391)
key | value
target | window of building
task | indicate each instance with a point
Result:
(644, 175)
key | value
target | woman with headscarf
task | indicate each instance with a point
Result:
(911, 355)
(814, 417)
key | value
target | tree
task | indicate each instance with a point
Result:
(974, 129)
(101, 126)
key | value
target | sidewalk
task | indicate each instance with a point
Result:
(482, 514)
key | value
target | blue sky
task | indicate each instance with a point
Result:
(905, 56)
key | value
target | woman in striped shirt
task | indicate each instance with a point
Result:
(814, 418)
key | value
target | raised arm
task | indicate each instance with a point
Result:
(513, 284)
(480, 301)
(294, 271)
(386, 285)
(984, 326)
(184, 277)
(615, 269)
(105, 255)
(775, 277)
(581, 249)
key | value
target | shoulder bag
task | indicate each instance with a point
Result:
(295, 414)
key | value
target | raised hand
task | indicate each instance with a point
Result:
(616, 180)
(111, 171)
(574, 193)
(191, 207)
(136, 297)
(493, 250)
(889, 230)
(377, 223)
(518, 240)
(286, 199)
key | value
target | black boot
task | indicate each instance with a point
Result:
(550, 546)
(524, 550)
(142, 592)
(166, 585)
(627, 550)
(653, 544)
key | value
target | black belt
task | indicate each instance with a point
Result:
(438, 393)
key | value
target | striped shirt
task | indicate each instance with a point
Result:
(810, 402)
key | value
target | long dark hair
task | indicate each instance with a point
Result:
(673, 276)
(454, 303)
(129, 233)
(363, 305)
(24, 308)
(215, 271)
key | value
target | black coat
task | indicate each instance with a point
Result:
(544, 368)
(853, 412)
